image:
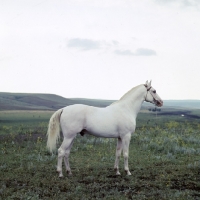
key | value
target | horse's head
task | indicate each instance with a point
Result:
(152, 96)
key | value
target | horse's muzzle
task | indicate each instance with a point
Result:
(159, 103)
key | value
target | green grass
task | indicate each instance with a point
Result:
(196, 112)
(23, 121)
(164, 161)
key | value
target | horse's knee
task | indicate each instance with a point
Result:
(118, 154)
(61, 152)
(126, 155)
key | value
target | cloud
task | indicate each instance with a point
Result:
(138, 52)
(145, 52)
(114, 42)
(88, 44)
(124, 53)
(186, 3)
(83, 44)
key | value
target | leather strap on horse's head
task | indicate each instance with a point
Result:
(150, 93)
(145, 85)
(148, 89)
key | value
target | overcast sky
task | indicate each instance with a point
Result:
(100, 49)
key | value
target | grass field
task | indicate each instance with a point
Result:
(22, 121)
(164, 161)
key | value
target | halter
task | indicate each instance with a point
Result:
(150, 93)
(149, 89)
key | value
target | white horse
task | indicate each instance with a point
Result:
(115, 121)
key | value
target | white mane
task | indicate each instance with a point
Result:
(127, 94)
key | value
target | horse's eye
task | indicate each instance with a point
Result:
(154, 91)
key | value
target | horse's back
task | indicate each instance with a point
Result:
(74, 111)
(79, 113)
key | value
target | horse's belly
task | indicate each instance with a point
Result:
(102, 127)
(109, 123)
(103, 133)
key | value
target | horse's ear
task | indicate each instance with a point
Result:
(146, 84)
(149, 84)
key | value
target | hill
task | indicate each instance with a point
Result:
(29, 101)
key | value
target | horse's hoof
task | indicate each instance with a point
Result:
(70, 174)
(60, 175)
(118, 173)
(129, 174)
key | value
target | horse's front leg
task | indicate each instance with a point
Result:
(125, 145)
(118, 154)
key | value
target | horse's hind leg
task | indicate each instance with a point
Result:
(66, 159)
(61, 154)
(66, 144)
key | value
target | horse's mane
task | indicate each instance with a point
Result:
(127, 94)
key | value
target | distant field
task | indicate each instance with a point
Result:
(26, 120)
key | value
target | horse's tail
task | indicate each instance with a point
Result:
(53, 132)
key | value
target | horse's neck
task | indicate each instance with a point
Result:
(133, 101)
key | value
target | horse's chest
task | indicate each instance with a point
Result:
(126, 125)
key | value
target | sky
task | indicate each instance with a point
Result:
(100, 49)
